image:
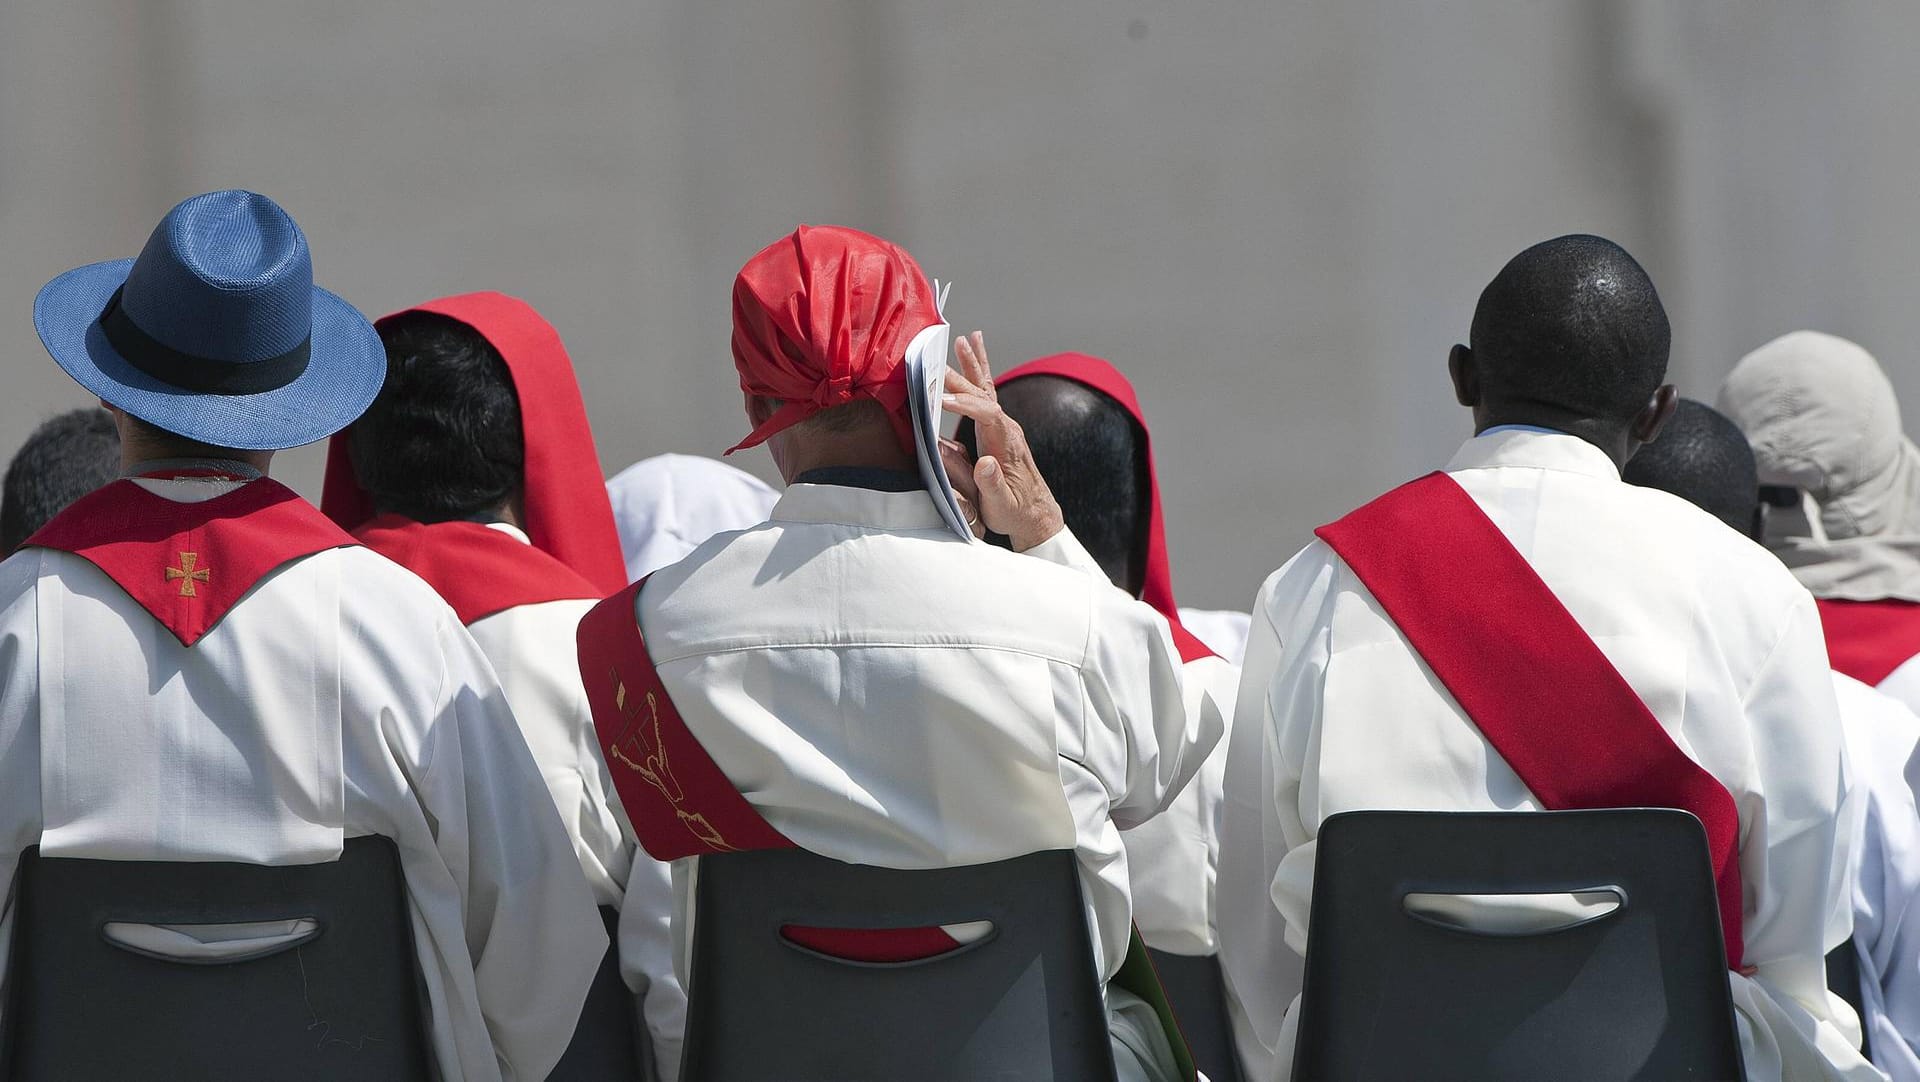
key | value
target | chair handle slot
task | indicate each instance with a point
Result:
(886, 946)
(1531, 914)
(210, 944)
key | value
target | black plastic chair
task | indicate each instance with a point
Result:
(608, 1042)
(1638, 993)
(1198, 992)
(87, 1002)
(1843, 980)
(1022, 1003)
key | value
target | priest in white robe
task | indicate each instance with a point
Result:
(1702, 457)
(1720, 646)
(475, 469)
(1843, 482)
(876, 688)
(173, 631)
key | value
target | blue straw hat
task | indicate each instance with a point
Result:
(216, 332)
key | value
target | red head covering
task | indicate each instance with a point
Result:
(568, 515)
(1157, 590)
(823, 317)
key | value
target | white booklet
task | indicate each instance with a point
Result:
(926, 383)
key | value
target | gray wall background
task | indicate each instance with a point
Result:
(1275, 217)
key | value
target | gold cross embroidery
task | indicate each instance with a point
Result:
(188, 574)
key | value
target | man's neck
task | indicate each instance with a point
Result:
(1610, 439)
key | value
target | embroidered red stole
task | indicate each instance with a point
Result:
(188, 564)
(681, 803)
(1867, 640)
(478, 570)
(1525, 672)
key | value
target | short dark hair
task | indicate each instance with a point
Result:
(67, 457)
(1575, 325)
(1701, 457)
(443, 440)
(1094, 458)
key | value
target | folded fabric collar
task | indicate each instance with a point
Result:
(863, 477)
(191, 467)
(1523, 448)
(839, 504)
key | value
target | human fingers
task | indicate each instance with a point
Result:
(971, 350)
(959, 464)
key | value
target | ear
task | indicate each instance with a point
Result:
(1650, 420)
(1466, 382)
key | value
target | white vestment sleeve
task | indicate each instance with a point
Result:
(531, 926)
(1794, 858)
(647, 952)
(1262, 973)
(19, 734)
(1136, 694)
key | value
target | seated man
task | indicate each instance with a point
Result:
(1826, 435)
(1089, 437)
(65, 458)
(475, 469)
(1366, 683)
(167, 635)
(1702, 458)
(870, 686)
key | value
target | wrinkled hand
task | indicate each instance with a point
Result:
(1002, 491)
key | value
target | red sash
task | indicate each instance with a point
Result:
(1867, 640)
(187, 564)
(1525, 672)
(478, 570)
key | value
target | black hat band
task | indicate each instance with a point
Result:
(206, 375)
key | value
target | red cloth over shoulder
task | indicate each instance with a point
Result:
(189, 564)
(479, 570)
(1867, 640)
(567, 512)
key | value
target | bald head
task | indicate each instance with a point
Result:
(1702, 458)
(1095, 461)
(1570, 334)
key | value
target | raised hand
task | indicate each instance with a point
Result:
(1007, 493)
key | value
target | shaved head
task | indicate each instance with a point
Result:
(1573, 327)
(1702, 458)
(1094, 459)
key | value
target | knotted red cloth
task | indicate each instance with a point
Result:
(567, 513)
(823, 317)
(1157, 588)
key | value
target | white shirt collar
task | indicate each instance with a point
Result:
(858, 507)
(1525, 448)
(512, 531)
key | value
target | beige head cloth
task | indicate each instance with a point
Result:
(1822, 418)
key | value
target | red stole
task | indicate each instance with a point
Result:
(478, 570)
(680, 802)
(1867, 640)
(1525, 672)
(187, 564)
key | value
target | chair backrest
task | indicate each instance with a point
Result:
(117, 971)
(1197, 991)
(1844, 975)
(608, 1042)
(1023, 1002)
(1640, 992)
